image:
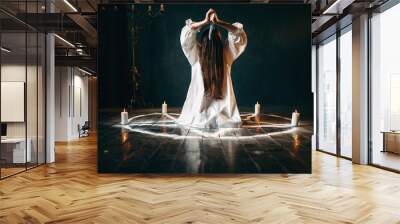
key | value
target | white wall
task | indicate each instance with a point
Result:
(62, 81)
(83, 83)
(10, 73)
(16, 72)
(71, 102)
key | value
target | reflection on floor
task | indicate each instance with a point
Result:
(11, 169)
(386, 159)
(152, 143)
(5, 172)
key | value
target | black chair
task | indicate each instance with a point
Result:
(84, 130)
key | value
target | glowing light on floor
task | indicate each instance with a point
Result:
(158, 122)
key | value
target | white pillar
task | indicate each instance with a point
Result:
(360, 90)
(50, 93)
(314, 91)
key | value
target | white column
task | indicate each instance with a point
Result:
(50, 92)
(314, 91)
(360, 90)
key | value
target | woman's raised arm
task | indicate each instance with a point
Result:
(237, 38)
(229, 27)
(188, 37)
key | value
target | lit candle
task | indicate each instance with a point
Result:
(162, 8)
(295, 118)
(257, 109)
(164, 108)
(124, 117)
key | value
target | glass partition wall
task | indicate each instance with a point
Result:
(22, 77)
(345, 92)
(327, 95)
(385, 89)
(334, 93)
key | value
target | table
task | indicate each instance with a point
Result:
(391, 141)
(13, 150)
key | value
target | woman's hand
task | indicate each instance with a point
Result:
(205, 21)
(215, 20)
(209, 14)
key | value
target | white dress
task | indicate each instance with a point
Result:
(199, 110)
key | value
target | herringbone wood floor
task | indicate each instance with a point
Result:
(71, 191)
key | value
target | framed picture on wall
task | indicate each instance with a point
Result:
(13, 101)
(204, 88)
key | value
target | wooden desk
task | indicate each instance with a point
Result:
(391, 141)
(13, 150)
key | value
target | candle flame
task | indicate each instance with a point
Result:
(124, 110)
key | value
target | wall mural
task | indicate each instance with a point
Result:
(189, 88)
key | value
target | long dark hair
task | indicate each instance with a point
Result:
(212, 64)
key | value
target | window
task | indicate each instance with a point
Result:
(346, 92)
(327, 96)
(385, 89)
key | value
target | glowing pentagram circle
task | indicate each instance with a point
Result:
(157, 124)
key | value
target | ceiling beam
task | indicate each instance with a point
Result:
(331, 12)
(73, 12)
(337, 6)
(81, 61)
(86, 27)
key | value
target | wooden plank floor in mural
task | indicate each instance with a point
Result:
(153, 143)
(71, 191)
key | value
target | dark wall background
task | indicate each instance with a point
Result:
(114, 60)
(275, 69)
